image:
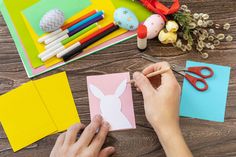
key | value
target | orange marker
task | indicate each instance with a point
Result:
(78, 20)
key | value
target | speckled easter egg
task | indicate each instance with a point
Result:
(52, 20)
(126, 19)
(154, 24)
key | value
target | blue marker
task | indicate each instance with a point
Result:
(79, 24)
(97, 15)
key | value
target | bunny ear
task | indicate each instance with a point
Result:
(120, 90)
(96, 92)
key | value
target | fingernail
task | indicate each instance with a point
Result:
(82, 125)
(106, 124)
(74, 126)
(136, 75)
(98, 117)
(112, 149)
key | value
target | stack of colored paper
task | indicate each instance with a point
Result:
(23, 16)
(37, 109)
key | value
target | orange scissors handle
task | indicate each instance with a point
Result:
(198, 70)
(194, 82)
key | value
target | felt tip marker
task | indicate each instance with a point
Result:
(142, 37)
(77, 27)
(65, 41)
(66, 38)
(62, 53)
(52, 44)
(45, 37)
(79, 19)
(62, 48)
(90, 40)
(77, 42)
(64, 27)
(85, 25)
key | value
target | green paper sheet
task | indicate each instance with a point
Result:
(140, 11)
(34, 13)
(14, 9)
(15, 38)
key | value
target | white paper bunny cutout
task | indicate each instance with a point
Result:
(110, 106)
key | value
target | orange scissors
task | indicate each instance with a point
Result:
(197, 70)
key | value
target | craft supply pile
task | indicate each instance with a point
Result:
(51, 33)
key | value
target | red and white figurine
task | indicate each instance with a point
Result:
(142, 37)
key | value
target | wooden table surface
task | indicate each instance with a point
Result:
(208, 139)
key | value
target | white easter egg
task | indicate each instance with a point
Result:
(52, 20)
(154, 24)
(126, 19)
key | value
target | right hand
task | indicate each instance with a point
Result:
(89, 143)
(161, 102)
(161, 96)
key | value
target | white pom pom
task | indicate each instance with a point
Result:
(52, 20)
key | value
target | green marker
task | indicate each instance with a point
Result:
(55, 45)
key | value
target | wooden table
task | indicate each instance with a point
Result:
(205, 138)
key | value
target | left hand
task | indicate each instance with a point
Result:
(89, 143)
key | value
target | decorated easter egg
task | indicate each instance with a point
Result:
(52, 20)
(154, 24)
(126, 19)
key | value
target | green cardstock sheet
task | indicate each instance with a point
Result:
(141, 12)
(15, 38)
(14, 8)
(70, 7)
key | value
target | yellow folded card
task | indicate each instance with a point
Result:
(56, 94)
(37, 109)
(24, 116)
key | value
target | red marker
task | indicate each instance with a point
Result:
(142, 37)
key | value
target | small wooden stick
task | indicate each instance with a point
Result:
(159, 72)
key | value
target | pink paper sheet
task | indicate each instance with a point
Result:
(114, 91)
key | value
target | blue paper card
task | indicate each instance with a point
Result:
(210, 104)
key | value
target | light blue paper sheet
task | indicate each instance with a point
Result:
(210, 104)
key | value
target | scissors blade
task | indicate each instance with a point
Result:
(150, 58)
(178, 69)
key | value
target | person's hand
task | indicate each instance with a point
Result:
(161, 96)
(89, 143)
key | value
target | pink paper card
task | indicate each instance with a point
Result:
(111, 96)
